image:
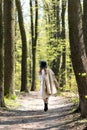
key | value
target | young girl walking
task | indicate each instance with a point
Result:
(48, 83)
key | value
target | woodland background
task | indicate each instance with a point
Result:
(51, 30)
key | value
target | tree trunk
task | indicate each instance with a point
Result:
(63, 66)
(78, 54)
(30, 64)
(34, 34)
(24, 48)
(2, 103)
(9, 53)
(85, 23)
(58, 18)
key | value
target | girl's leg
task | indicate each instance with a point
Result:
(46, 104)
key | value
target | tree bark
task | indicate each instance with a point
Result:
(2, 103)
(34, 35)
(63, 36)
(24, 48)
(58, 18)
(9, 42)
(85, 23)
(78, 54)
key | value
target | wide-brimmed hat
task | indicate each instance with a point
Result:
(43, 64)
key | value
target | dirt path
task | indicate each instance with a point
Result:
(30, 115)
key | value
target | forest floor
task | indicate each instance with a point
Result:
(29, 115)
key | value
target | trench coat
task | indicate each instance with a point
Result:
(49, 84)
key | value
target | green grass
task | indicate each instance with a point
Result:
(11, 102)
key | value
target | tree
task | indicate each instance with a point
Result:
(85, 22)
(34, 35)
(24, 48)
(2, 103)
(63, 36)
(58, 18)
(78, 54)
(56, 35)
(53, 27)
(9, 44)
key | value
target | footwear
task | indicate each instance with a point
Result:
(45, 106)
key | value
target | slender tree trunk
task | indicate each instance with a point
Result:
(9, 39)
(69, 73)
(34, 34)
(58, 21)
(32, 39)
(63, 66)
(78, 54)
(30, 67)
(24, 48)
(63, 19)
(58, 18)
(2, 103)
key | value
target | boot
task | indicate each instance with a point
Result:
(45, 106)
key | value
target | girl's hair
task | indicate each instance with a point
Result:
(43, 65)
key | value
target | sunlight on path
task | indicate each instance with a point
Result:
(34, 102)
(31, 116)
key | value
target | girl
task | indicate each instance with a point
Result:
(48, 83)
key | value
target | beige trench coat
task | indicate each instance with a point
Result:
(49, 85)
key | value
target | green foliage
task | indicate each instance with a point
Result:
(54, 48)
(48, 48)
(75, 100)
(86, 97)
(13, 97)
(82, 74)
(11, 102)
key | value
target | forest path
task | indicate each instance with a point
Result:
(30, 115)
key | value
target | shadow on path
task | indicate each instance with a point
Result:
(57, 117)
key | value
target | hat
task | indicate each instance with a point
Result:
(43, 64)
